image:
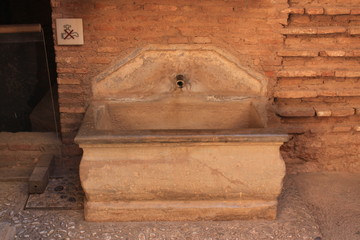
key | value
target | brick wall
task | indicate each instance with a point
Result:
(308, 50)
(318, 90)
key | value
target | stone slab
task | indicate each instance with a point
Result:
(40, 175)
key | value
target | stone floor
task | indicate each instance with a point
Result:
(312, 207)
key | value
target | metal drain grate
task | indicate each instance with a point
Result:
(63, 193)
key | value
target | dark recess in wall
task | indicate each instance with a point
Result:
(23, 73)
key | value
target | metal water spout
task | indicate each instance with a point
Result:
(180, 82)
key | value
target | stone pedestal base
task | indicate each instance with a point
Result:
(181, 181)
(179, 210)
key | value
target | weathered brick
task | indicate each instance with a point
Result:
(331, 30)
(68, 81)
(294, 111)
(227, 19)
(191, 8)
(357, 128)
(322, 112)
(68, 60)
(313, 30)
(70, 98)
(295, 93)
(104, 6)
(337, 11)
(23, 147)
(301, 19)
(341, 128)
(98, 60)
(3, 146)
(342, 111)
(70, 121)
(298, 53)
(327, 73)
(71, 109)
(180, 39)
(354, 30)
(294, 10)
(160, 7)
(105, 27)
(72, 70)
(201, 40)
(354, 53)
(347, 73)
(70, 89)
(355, 11)
(298, 73)
(108, 49)
(218, 9)
(314, 10)
(332, 53)
(176, 18)
(299, 30)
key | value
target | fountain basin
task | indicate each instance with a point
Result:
(180, 132)
(204, 161)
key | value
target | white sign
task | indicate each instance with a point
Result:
(69, 31)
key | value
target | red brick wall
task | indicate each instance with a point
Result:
(318, 90)
(308, 52)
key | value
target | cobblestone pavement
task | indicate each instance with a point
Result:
(294, 222)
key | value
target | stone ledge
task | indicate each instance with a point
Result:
(179, 210)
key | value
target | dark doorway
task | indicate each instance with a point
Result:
(27, 68)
